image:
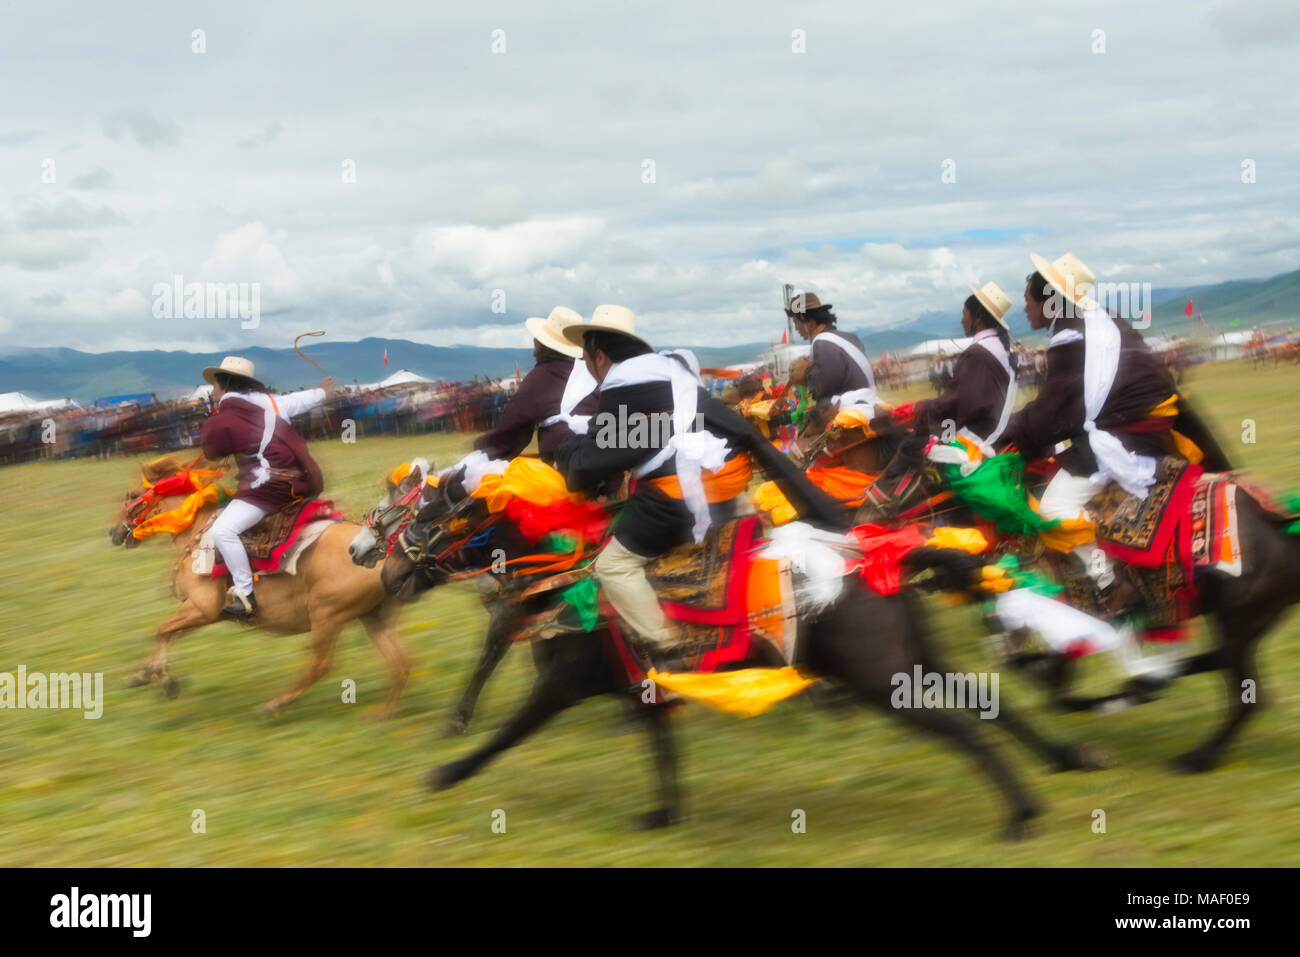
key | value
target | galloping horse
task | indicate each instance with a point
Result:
(862, 641)
(326, 592)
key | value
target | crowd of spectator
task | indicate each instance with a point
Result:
(147, 424)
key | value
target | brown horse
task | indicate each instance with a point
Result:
(327, 591)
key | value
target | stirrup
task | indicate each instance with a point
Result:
(239, 606)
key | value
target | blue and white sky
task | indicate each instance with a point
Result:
(522, 170)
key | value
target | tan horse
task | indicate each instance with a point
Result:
(326, 593)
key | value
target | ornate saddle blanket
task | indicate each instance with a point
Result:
(1186, 525)
(719, 594)
(275, 543)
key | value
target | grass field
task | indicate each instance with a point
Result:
(326, 784)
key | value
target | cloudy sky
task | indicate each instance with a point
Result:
(800, 142)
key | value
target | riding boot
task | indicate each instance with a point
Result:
(239, 606)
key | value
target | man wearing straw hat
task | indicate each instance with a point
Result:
(275, 468)
(982, 394)
(688, 470)
(556, 396)
(836, 363)
(1101, 377)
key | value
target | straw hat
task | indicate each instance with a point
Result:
(234, 365)
(992, 298)
(1070, 277)
(617, 319)
(808, 301)
(549, 331)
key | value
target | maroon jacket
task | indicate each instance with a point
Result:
(236, 428)
(537, 399)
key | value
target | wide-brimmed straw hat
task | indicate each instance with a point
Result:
(804, 303)
(236, 366)
(1069, 276)
(550, 331)
(997, 302)
(616, 319)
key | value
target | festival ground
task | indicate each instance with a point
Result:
(326, 784)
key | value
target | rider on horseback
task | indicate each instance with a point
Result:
(976, 404)
(837, 363)
(1101, 379)
(692, 457)
(555, 398)
(275, 468)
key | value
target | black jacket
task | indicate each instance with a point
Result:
(652, 522)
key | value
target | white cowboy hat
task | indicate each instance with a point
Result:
(234, 365)
(549, 331)
(1070, 277)
(617, 319)
(992, 298)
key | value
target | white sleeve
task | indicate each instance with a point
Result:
(296, 403)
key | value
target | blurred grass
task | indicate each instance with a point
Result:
(326, 785)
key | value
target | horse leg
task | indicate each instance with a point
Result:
(961, 732)
(1237, 659)
(324, 635)
(495, 645)
(552, 693)
(381, 626)
(664, 750)
(185, 619)
(1058, 755)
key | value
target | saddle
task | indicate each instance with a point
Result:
(720, 595)
(275, 543)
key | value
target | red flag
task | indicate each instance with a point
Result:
(1200, 320)
(1188, 310)
(385, 357)
(783, 335)
(517, 375)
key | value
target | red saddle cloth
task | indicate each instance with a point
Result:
(722, 598)
(270, 540)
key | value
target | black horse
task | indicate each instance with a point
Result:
(860, 643)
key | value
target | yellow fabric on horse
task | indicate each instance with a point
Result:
(749, 691)
(720, 486)
(181, 517)
(1068, 535)
(769, 498)
(528, 478)
(970, 540)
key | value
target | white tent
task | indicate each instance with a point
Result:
(200, 394)
(403, 377)
(20, 402)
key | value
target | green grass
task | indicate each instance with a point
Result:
(325, 784)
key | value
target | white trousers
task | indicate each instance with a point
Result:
(236, 517)
(1067, 496)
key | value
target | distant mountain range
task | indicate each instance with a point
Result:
(84, 376)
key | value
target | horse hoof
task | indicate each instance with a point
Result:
(441, 777)
(139, 680)
(457, 726)
(653, 820)
(1020, 828)
(1193, 762)
(172, 687)
(268, 710)
(1085, 757)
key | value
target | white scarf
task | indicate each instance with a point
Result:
(577, 387)
(992, 342)
(1102, 344)
(695, 451)
(851, 351)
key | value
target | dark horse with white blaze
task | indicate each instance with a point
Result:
(861, 642)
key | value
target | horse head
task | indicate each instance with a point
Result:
(142, 501)
(393, 512)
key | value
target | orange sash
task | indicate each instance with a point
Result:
(720, 486)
